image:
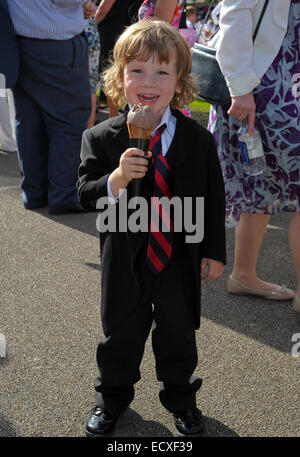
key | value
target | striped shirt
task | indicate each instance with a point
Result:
(47, 19)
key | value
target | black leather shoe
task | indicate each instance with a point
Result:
(189, 422)
(100, 422)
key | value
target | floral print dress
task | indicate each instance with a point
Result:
(93, 39)
(278, 120)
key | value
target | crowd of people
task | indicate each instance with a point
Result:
(142, 49)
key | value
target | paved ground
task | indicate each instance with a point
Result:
(49, 314)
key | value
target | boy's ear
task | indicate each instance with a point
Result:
(178, 88)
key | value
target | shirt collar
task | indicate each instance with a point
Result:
(166, 118)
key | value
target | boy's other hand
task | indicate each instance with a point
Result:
(211, 269)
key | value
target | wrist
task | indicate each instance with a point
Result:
(118, 181)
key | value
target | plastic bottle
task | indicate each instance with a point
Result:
(252, 153)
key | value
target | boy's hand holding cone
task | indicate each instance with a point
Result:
(140, 122)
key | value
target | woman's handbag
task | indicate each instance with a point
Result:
(211, 84)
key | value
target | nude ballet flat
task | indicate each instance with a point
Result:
(296, 303)
(282, 293)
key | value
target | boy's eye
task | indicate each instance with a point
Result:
(162, 72)
(136, 70)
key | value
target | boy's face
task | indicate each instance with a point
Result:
(151, 83)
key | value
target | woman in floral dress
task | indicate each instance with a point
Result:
(273, 101)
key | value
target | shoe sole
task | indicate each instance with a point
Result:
(97, 435)
(200, 433)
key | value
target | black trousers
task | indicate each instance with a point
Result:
(166, 301)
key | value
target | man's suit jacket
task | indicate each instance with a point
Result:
(197, 173)
(9, 50)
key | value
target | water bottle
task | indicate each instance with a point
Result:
(252, 153)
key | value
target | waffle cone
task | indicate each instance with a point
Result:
(138, 132)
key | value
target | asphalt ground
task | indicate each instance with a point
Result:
(50, 316)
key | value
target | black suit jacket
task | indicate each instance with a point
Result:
(197, 173)
(9, 49)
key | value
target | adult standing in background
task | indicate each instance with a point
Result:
(52, 99)
(260, 78)
(112, 16)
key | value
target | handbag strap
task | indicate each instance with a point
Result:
(257, 25)
(260, 19)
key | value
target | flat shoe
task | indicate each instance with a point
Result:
(296, 303)
(238, 288)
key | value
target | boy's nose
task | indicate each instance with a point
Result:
(148, 80)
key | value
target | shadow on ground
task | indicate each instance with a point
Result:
(131, 424)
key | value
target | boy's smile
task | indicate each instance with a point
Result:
(151, 83)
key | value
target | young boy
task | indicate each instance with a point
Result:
(151, 67)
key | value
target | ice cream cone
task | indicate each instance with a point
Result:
(138, 132)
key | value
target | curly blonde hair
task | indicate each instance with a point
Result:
(144, 40)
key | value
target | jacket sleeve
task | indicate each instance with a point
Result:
(94, 171)
(214, 241)
(235, 46)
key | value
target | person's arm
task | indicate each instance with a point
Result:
(88, 9)
(235, 57)
(102, 10)
(164, 9)
(88, 6)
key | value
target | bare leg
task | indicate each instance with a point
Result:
(294, 238)
(91, 121)
(249, 235)
(113, 109)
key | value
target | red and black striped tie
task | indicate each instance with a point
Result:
(160, 242)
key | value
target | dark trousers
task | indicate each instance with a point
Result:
(53, 104)
(167, 303)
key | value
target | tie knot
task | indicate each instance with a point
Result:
(155, 141)
(160, 129)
